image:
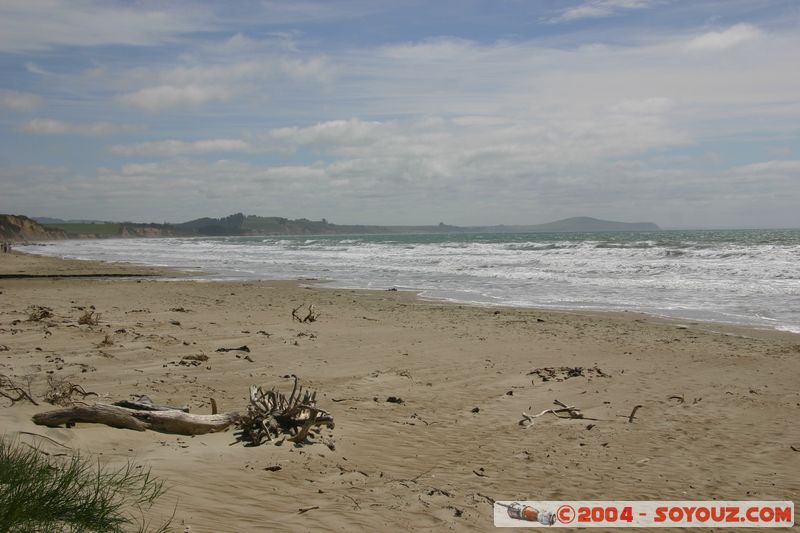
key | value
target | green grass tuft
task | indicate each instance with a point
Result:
(71, 495)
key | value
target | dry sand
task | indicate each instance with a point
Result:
(436, 460)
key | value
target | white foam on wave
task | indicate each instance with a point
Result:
(753, 283)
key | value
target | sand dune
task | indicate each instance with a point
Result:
(437, 459)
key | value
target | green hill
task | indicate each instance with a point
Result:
(587, 224)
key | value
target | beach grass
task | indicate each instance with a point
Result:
(40, 493)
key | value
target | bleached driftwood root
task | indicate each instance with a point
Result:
(271, 414)
(166, 421)
(60, 391)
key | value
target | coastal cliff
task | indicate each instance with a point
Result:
(22, 228)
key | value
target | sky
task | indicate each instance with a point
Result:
(468, 112)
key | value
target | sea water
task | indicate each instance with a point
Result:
(736, 276)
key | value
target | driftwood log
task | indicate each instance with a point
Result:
(270, 415)
(166, 421)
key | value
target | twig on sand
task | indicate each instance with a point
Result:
(43, 437)
(312, 315)
(39, 450)
(485, 497)
(570, 412)
(304, 510)
(633, 414)
(15, 392)
(564, 411)
(354, 501)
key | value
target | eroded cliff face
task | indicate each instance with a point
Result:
(145, 231)
(22, 228)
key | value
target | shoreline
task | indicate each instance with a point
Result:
(463, 374)
(200, 275)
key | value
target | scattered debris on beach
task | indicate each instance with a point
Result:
(243, 348)
(562, 373)
(89, 318)
(37, 313)
(191, 360)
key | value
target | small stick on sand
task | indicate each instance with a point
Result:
(633, 413)
(13, 391)
(43, 437)
(312, 315)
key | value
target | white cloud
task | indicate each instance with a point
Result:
(33, 68)
(154, 99)
(195, 85)
(599, 9)
(171, 148)
(335, 132)
(314, 69)
(644, 106)
(17, 101)
(480, 130)
(439, 150)
(723, 40)
(47, 126)
(440, 49)
(789, 169)
(41, 24)
(210, 74)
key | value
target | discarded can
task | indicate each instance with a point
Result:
(529, 514)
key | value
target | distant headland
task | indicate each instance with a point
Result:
(18, 227)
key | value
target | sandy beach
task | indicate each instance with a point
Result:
(435, 460)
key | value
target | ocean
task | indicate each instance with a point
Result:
(747, 277)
